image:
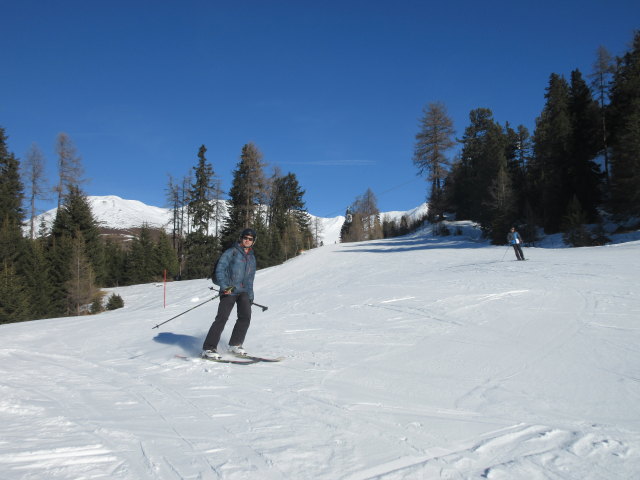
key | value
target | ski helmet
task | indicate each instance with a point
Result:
(249, 232)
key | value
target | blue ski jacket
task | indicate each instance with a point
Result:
(514, 238)
(236, 269)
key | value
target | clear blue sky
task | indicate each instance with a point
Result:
(331, 91)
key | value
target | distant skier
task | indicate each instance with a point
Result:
(234, 274)
(515, 240)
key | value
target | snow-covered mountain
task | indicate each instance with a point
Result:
(118, 213)
(416, 357)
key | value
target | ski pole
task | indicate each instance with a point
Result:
(505, 252)
(261, 306)
(199, 305)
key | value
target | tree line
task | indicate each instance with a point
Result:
(59, 271)
(581, 164)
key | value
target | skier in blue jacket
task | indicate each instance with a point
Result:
(234, 274)
(515, 240)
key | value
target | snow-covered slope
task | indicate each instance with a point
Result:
(118, 213)
(409, 358)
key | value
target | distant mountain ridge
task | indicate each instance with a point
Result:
(116, 213)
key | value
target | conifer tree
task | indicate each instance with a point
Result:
(575, 232)
(34, 269)
(566, 144)
(141, 265)
(502, 205)
(552, 148)
(519, 152)
(201, 248)
(74, 218)
(483, 155)
(583, 174)
(13, 292)
(11, 187)
(14, 304)
(201, 195)
(74, 241)
(166, 256)
(247, 193)
(433, 140)
(287, 219)
(602, 70)
(58, 255)
(625, 132)
(115, 264)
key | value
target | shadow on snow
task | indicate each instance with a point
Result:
(188, 343)
(404, 244)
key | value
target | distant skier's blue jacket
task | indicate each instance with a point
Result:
(236, 269)
(514, 238)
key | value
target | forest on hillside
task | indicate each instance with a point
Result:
(580, 166)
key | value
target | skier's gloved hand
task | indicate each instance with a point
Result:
(226, 291)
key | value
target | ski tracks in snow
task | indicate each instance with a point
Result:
(101, 426)
(516, 453)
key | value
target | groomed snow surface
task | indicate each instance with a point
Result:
(408, 358)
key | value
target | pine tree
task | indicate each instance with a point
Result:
(575, 232)
(201, 195)
(247, 193)
(288, 219)
(34, 269)
(141, 266)
(432, 141)
(626, 166)
(115, 264)
(483, 155)
(583, 174)
(602, 71)
(201, 248)
(74, 241)
(14, 304)
(166, 256)
(519, 153)
(73, 218)
(13, 292)
(624, 119)
(202, 251)
(502, 206)
(58, 255)
(552, 149)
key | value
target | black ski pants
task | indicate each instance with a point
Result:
(224, 310)
(518, 250)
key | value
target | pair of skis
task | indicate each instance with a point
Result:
(238, 359)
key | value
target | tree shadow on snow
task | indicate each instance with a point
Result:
(191, 345)
(403, 244)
